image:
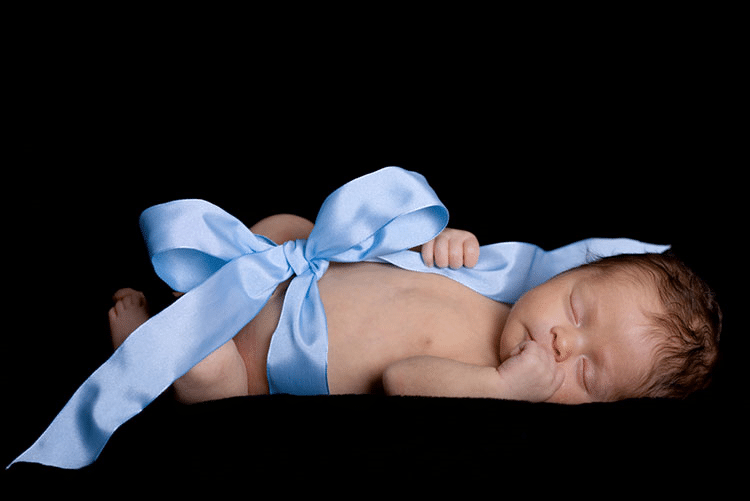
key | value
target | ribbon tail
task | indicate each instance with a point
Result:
(297, 361)
(508, 270)
(161, 351)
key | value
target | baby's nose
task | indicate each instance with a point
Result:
(565, 343)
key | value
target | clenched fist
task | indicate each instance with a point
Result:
(454, 248)
(531, 373)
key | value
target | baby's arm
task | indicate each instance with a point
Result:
(530, 373)
(441, 377)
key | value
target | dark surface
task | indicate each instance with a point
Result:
(522, 157)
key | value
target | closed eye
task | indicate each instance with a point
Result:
(583, 376)
(573, 311)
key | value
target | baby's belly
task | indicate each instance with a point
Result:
(378, 314)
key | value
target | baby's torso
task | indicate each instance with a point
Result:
(378, 314)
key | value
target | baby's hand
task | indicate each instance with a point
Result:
(454, 248)
(530, 373)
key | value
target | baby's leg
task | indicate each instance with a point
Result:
(221, 374)
(283, 227)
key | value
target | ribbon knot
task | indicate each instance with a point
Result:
(294, 252)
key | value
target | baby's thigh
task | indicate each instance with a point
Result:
(254, 340)
(220, 375)
(252, 346)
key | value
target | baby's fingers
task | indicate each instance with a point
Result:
(454, 248)
(428, 253)
(442, 252)
(471, 252)
(456, 254)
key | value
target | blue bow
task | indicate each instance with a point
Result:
(229, 273)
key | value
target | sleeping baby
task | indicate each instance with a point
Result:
(633, 325)
(378, 296)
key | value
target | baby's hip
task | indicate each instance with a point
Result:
(254, 339)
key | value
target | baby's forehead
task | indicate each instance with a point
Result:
(621, 294)
(622, 279)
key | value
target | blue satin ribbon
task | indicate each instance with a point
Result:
(228, 274)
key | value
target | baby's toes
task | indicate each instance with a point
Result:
(113, 313)
(126, 293)
(128, 313)
(127, 299)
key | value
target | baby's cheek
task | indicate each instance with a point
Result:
(513, 335)
(569, 393)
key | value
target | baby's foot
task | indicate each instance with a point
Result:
(128, 313)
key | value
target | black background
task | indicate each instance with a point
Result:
(545, 140)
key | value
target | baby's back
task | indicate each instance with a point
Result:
(378, 314)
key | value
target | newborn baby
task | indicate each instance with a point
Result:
(344, 306)
(632, 325)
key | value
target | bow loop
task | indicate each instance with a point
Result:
(190, 240)
(387, 211)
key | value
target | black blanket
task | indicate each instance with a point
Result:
(547, 172)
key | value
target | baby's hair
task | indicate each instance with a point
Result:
(689, 329)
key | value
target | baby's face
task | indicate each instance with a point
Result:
(596, 327)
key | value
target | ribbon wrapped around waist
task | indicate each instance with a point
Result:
(228, 274)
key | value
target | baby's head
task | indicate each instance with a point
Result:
(627, 326)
